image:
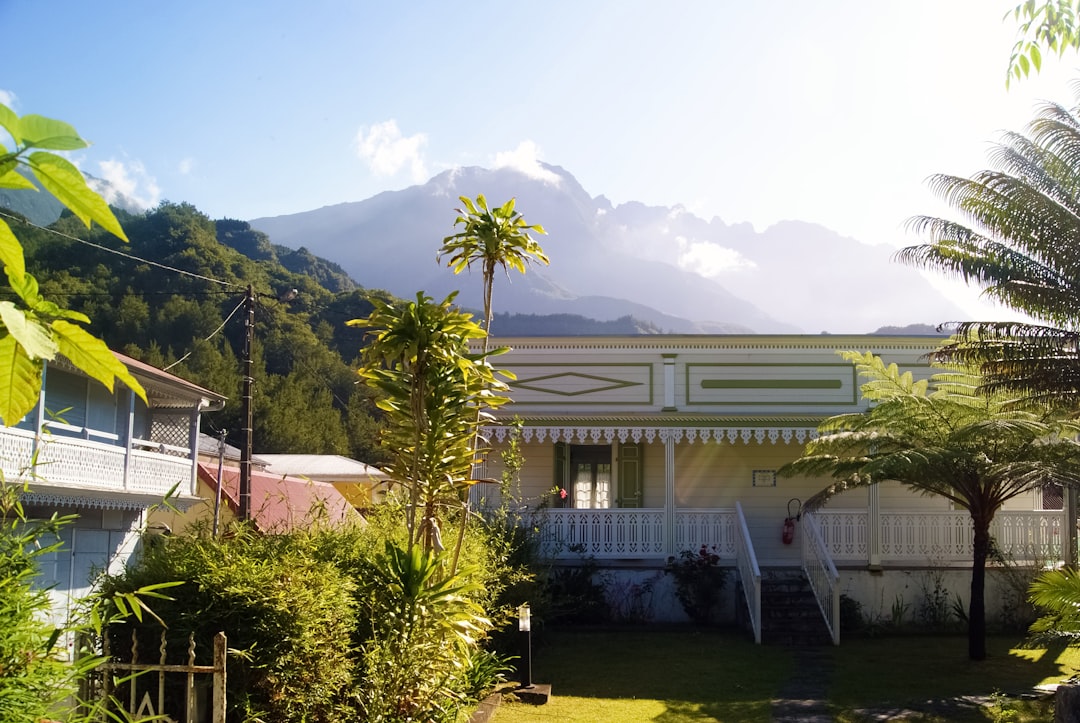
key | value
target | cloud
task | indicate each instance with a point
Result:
(127, 185)
(526, 159)
(8, 98)
(387, 152)
(708, 259)
(186, 165)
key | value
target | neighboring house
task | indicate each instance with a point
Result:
(107, 458)
(637, 448)
(279, 502)
(361, 484)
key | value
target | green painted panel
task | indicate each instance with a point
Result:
(771, 384)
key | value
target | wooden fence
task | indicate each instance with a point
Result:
(139, 685)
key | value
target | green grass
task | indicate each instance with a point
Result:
(683, 675)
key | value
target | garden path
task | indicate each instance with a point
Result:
(804, 697)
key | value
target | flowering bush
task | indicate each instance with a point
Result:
(699, 582)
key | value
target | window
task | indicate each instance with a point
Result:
(590, 476)
(585, 476)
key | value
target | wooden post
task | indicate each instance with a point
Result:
(220, 651)
(246, 403)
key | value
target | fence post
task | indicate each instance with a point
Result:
(220, 650)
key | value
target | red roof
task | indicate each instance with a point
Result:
(280, 503)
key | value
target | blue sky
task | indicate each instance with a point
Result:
(832, 111)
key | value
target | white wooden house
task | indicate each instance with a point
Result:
(107, 458)
(637, 448)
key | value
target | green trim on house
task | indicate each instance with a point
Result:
(808, 421)
(779, 383)
(604, 384)
(771, 384)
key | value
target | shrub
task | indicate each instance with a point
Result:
(699, 583)
(425, 630)
(288, 614)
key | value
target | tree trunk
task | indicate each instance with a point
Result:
(977, 608)
(1067, 704)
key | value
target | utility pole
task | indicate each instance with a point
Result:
(245, 399)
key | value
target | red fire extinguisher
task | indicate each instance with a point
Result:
(788, 535)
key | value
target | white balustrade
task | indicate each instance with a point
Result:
(714, 529)
(601, 533)
(822, 574)
(81, 464)
(942, 537)
(749, 572)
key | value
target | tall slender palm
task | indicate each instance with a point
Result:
(491, 237)
(1020, 240)
(946, 438)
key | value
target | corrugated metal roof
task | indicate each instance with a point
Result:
(325, 467)
(278, 502)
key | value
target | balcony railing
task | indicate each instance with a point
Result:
(601, 533)
(81, 463)
(925, 537)
(942, 537)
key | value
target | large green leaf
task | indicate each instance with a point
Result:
(41, 132)
(10, 178)
(10, 122)
(32, 336)
(11, 252)
(93, 357)
(66, 182)
(20, 381)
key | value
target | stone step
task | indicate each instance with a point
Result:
(789, 612)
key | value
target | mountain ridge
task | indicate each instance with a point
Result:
(662, 265)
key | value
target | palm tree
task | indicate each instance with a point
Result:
(943, 437)
(492, 237)
(1020, 243)
(435, 393)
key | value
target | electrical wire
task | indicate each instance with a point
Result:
(118, 253)
(212, 334)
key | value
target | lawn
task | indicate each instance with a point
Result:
(677, 675)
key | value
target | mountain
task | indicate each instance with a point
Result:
(661, 265)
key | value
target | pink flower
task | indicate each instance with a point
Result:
(562, 493)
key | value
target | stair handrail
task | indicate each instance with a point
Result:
(822, 574)
(749, 573)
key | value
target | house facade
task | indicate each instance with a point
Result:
(107, 458)
(638, 448)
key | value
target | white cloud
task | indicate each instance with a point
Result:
(127, 185)
(8, 98)
(526, 159)
(186, 165)
(708, 259)
(387, 152)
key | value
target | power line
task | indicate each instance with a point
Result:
(99, 247)
(212, 334)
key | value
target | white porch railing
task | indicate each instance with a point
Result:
(941, 537)
(749, 572)
(616, 533)
(715, 529)
(82, 464)
(601, 533)
(822, 574)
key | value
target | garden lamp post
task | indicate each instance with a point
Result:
(525, 628)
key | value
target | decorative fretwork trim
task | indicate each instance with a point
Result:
(608, 435)
(102, 503)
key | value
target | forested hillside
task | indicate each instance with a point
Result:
(182, 311)
(176, 305)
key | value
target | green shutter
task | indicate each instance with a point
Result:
(631, 475)
(562, 461)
